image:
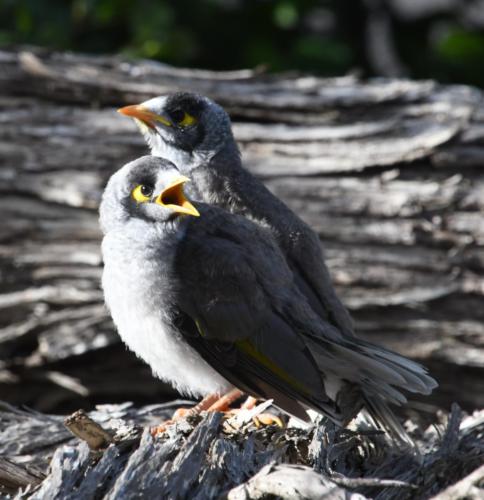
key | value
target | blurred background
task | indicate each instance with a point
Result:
(439, 39)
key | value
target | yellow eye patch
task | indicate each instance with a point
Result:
(187, 120)
(142, 193)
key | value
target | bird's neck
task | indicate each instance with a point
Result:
(216, 180)
(223, 181)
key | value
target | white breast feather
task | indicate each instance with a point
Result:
(143, 325)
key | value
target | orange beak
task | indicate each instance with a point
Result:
(139, 112)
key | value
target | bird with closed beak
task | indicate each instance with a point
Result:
(195, 134)
(208, 300)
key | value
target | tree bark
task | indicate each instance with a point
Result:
(389, 172)
(207, 458)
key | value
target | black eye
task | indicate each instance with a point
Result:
(146, 190)
(177, 115)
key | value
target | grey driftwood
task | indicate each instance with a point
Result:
(389, 172)
(206, 458)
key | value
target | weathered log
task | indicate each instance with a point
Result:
(203, 459)
(389, 172)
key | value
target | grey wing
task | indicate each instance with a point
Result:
(241, 329)
(256, 328)
(314, 281)
(303, 252)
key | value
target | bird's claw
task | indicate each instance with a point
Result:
(181, 413)
(236, 418)
(257, 416)
(158, 430)
(266, 419)
(178, 414)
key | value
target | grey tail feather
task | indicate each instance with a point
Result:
(385, 419)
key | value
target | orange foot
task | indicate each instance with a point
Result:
(248, 412)
(213, 402)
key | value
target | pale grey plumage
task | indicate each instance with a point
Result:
(206, 151)
(210, 302)
(137, 280)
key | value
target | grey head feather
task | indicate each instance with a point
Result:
(117, 206)
(188, 145)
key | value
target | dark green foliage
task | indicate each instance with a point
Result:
(326, 37)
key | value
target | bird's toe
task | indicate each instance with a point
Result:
(265, 419)
(160, 429)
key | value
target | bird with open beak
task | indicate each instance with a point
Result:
(195, 134)
(208, 300)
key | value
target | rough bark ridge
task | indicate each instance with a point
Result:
(208, 458)
(389, 172)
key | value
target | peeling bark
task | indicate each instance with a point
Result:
(389, 172)
(200, 458)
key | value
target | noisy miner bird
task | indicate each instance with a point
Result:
(208, 300)
(195, 134)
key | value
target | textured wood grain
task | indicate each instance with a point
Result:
(202, 459)
(389, 172)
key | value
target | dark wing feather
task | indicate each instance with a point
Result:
(255, 327)
(246, 372)
(299, 243)
(312, 276)
(240, 330)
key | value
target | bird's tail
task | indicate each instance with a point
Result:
(384, 418)
(382, 377)
(403, 373)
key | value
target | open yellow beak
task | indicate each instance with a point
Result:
(139, 112)
(174, 198)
